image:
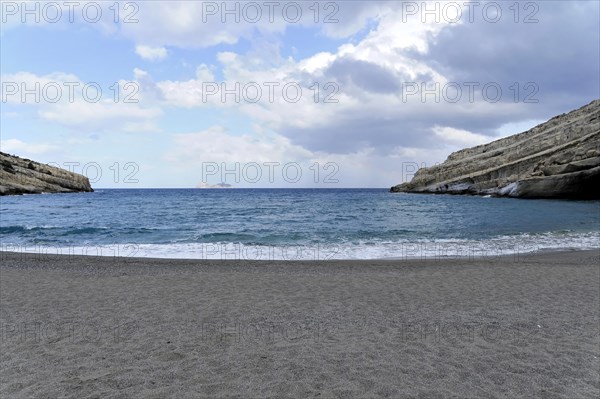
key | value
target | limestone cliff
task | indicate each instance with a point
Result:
(557, 159)
(23, 176)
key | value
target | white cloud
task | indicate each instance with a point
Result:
(224, 150)
(144, 127)
(217, 145)
(28, 88)
(380, 48)
(59, 15)
(203, 73)
(139, 73)
(367, 126)
(188, 93)
(197, 24)
(509, 129)
(85, 116)
(16, 146)
(60, 98)
(151, 53)
(205, 23)
(459, 137)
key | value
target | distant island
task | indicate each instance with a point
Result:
(557, 159)
(219, 185)
(24, 176)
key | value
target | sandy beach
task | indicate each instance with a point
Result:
(503, 327)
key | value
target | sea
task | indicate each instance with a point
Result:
(292, 224)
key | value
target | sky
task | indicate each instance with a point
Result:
(331, 94)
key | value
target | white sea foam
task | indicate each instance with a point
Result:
(416, 249)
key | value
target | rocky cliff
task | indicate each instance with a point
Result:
(23, 176)
(557, 159)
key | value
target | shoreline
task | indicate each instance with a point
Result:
(92, 326)
(40, 256)
(437, 251)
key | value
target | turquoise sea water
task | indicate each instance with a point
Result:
(291, 224)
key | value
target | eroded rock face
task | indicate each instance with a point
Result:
(23, 176)
(557, 159)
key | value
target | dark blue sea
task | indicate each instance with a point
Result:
(307, 224)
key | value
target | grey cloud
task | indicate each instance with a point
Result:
(366, 75)
(409, 125)
(561, 54)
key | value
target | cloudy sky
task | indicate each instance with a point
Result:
(283, 94)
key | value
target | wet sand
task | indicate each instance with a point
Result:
(84, 327)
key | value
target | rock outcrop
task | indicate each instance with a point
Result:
(23, 176)
(557, 159)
